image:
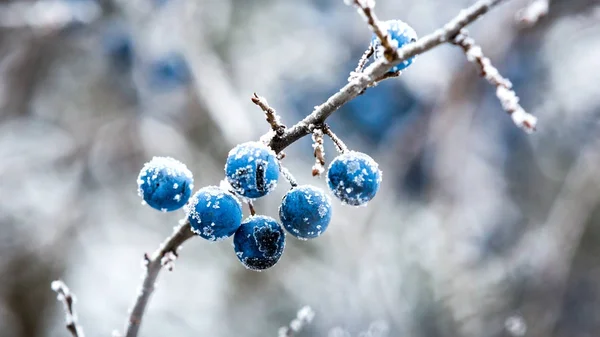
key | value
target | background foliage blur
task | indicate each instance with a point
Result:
(477, 226)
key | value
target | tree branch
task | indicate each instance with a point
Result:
(68, 300)
(153, 265)
(508, 98)
(377, 69)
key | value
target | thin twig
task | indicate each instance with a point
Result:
(365, 8)
(508, 98)
(272, 117)
(530, 15)
(339, 144)
(303, 318)
(377, 69)
(319, 152)
(361, 63)
(153, 265)
(68, 300)
(251, 207)
(288, 176)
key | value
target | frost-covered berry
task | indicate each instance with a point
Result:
(354, 178)
(165, 184)
(214, 213)
(252, 169)
(400, 33)
(259, 242)
(305, 212)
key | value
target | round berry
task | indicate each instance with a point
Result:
(400, 33)
(354, 178)
(259, 242)
(165, 184)
(305, 212)
(252, 169)
(214, 213)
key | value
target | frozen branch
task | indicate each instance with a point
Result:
(287, 175)
(272, 117)
(303, 318)
(530, 15)
(508, 98)
(319, 153)
(153, 264)
(68, 300)
(377, 69)
(339, 144)
(365, 8)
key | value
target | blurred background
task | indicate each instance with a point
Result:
(479, 229)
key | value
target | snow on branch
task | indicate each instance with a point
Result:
(366, 9)
(164, 255)
(272, 117)
(304, 316)
(531, 14)
(319, 153)
(377, 70)
(504, 92)
(68, 300)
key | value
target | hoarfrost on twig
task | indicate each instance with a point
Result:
(508, 98)
(68, 300)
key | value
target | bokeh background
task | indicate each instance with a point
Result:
(479, 229)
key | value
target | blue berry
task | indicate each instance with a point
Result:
(252, 169)
(401, 33)
(165, 183)
(214, 213)
(259, 242)
(305, 212)
(354, 178)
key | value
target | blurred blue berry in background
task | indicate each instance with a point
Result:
(118, 46)
(259, 242)
(305, 211)
(169, 72)
(165, 184)
(354, 178)
(402, 34)
(214, 213)
(252, 169)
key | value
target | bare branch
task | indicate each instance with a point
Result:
(272, 117)
(153, 264)
(377, 69)
(303, 318)
(339, 144)
(508, 98)
(531, 14)
(319, 152)
(68, 300)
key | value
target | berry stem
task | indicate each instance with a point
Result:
(251, 207)
(319, 153)
(339, 144)
(288, 175)
(153, 265)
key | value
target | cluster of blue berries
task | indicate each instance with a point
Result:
(401, 34)
(252, 171)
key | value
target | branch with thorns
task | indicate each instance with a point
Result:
(281, 137)
(65, 296)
